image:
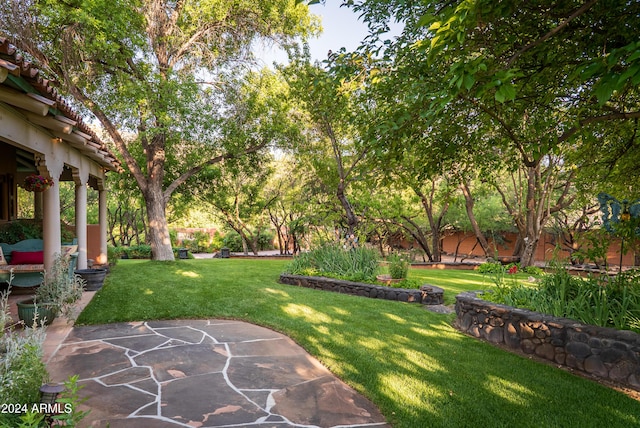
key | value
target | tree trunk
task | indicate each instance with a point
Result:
(528, 254)
(158, 226)
(352, 219)
(530, 221)
(469, 203)
(419, 236)
(434, 222)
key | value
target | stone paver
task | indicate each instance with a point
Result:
(204, 373)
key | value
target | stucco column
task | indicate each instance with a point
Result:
(51, 223)
(102, 219)
(51, 206)
(80, 180)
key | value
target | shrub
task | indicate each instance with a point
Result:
(217, 241)
(233, 241)
(357, 264)
(113, 254)
(490, 267)
(19, 230)
(599, 300)
(22, 371)
(532, 270)
(406, 283)
(59, 288)
(136, 251)
(398, 266)
(497, 267)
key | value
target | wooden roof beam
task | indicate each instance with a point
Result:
(19, 99)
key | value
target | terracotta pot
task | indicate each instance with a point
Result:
(386, 279)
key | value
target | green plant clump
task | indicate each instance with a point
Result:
(398, 266)
(602, 300)
(491, 268)
(497, 268)
(233, 241)
(355, 264)
(19, 230)
(142, 251)
(60, 288)
(406, 283)
(22, 371)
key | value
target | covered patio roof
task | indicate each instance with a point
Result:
(23, 87)
(41, 133)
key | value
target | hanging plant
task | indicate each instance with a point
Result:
(37, 183)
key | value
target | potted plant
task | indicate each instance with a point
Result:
(37, 183)
(398, 269)
(56, 295)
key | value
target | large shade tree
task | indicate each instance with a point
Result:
(537, 80)
(330, 100)
(235, 187)
(153, 69)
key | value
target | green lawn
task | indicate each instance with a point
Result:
(410, 362)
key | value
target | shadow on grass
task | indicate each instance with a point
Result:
(417, 368)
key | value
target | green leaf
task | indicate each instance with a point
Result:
(632, 71)
(603, 92)
(469, 80)
(634, 56)
(425, 19)
(505, 93)
(434, 41)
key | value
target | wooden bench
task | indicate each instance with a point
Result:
(29, 270)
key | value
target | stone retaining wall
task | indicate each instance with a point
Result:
(428, 295)
(606, 353)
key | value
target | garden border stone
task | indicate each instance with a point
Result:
(427, 295)
(605, 353)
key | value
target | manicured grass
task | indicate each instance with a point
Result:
(418, 369)
(454, 281)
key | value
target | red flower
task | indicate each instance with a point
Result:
(37, 183)
(513, 269)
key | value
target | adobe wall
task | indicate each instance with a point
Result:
(93, 241)
(543, 253)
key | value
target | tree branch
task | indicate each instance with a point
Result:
(595, 119)
(551, 33)
(132, 164)
(216, 159)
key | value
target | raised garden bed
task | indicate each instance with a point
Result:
(427, 295)
(604, 353)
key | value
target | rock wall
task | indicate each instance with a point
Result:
(428, 295)
(606, 353)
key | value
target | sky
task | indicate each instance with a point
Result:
(341, 28)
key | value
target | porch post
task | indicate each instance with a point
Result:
(80, 180)
(51, 234)
(102, 220)
(51, 223)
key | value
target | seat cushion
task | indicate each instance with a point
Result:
(27, 257)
